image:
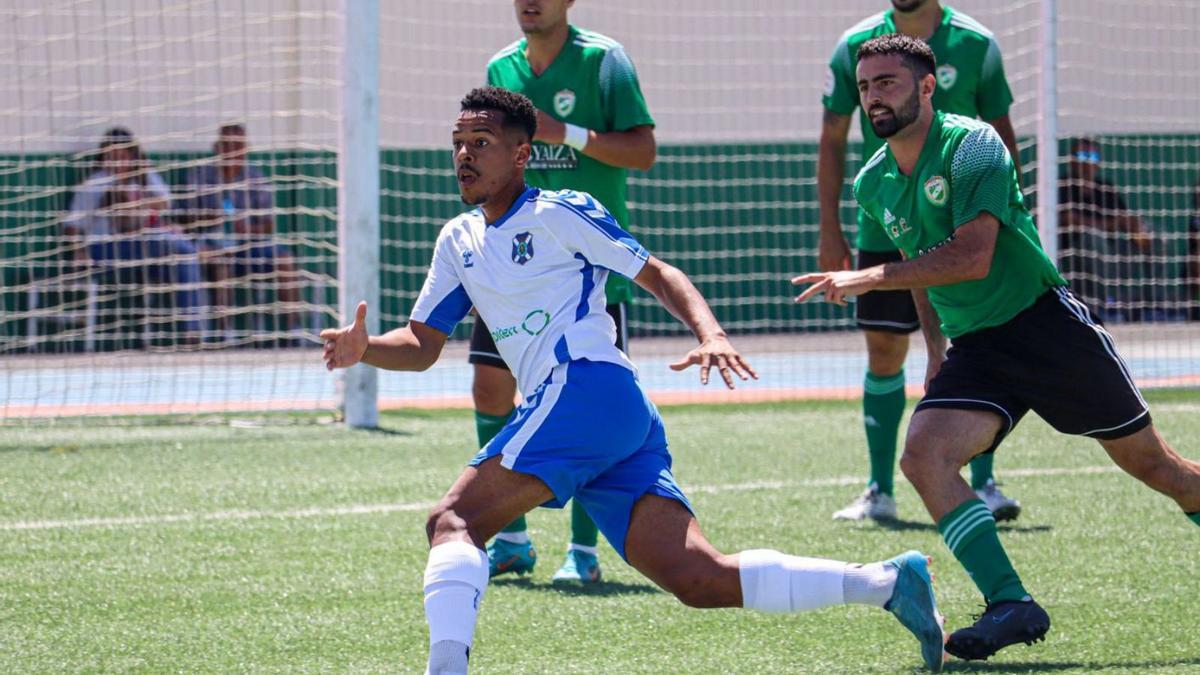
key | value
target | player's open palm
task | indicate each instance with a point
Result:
(345, 347)
(718, 352)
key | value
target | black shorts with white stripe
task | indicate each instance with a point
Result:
(483, 349)
(1053, 359)
(886, 311)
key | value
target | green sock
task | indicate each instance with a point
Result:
(970, 532)
(981, 470)
(883, 406)
(1195, 517)
(486, 428)
(583, 529)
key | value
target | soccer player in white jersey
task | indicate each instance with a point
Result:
(533, 264)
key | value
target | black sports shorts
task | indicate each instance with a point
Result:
(887, 311)
(1053, 359)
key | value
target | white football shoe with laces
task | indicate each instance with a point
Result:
(1002, 507)
(871, 504)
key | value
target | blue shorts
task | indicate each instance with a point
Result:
(591, 433)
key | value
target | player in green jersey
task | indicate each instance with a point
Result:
(593, 125)
(970, 82)
(944, 189)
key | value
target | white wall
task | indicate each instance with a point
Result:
(173, 70)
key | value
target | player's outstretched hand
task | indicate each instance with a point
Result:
(345, 347)
(837, 286)
(716, 351)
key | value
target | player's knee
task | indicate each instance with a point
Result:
(704, 584)
(694, 590)
(921, 460)
(492, 395)
(444, 520)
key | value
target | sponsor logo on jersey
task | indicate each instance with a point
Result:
(522, 248)
(467, 255)
(552, 158)
(937, 190)
(830, 81)
(947, 75)
(894, 226)
(564, 102)
(536, 321)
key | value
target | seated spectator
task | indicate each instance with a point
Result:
(115, 217)
(231, 210)
(1098, 236)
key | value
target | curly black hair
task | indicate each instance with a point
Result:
(916, 55)
(518, 110)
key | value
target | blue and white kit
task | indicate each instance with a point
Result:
(536, 276)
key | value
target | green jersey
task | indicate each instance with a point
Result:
(963, 170)
(970, 81)
(591, 83)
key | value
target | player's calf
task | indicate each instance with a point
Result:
(1145, 455)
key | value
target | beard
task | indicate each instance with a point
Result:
(907, 6)
(905, 115)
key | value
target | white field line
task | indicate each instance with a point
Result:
(364, 509)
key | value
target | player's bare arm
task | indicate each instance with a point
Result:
(1003, 126)
(681, 298)
(833, 249)
(931, 330)
(633, 148)
(967, 257)
(413, 347)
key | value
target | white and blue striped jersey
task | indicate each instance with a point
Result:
(536, 276)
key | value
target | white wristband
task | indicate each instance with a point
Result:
(575, 136)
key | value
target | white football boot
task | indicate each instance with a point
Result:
(871, 504)
(1002, 507)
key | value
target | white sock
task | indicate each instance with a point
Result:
(870, 584)
(775, 582)
(583, 549)
(448, 658)
(455, 580)
(521, 537)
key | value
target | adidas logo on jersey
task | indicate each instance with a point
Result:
(888, 218)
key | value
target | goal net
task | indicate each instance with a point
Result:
(122, 317)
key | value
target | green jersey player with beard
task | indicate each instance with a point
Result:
(593, 126)
(944, 190)
(970, 82)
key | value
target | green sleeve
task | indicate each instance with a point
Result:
(840, 94)
(624, 105)
(994, 97)
(981, 177)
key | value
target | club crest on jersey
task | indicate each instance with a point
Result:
(947, 75)
(522, 250)
(467, 255)
(936, 191)
(564, 102)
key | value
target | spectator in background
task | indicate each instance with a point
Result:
(1099, 237)
(231, 211)
(115, 216)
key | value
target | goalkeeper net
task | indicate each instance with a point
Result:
(732, 199)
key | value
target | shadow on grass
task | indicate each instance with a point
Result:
(911, 525)
(602, 589)
(1054, 666)
(384, 431)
